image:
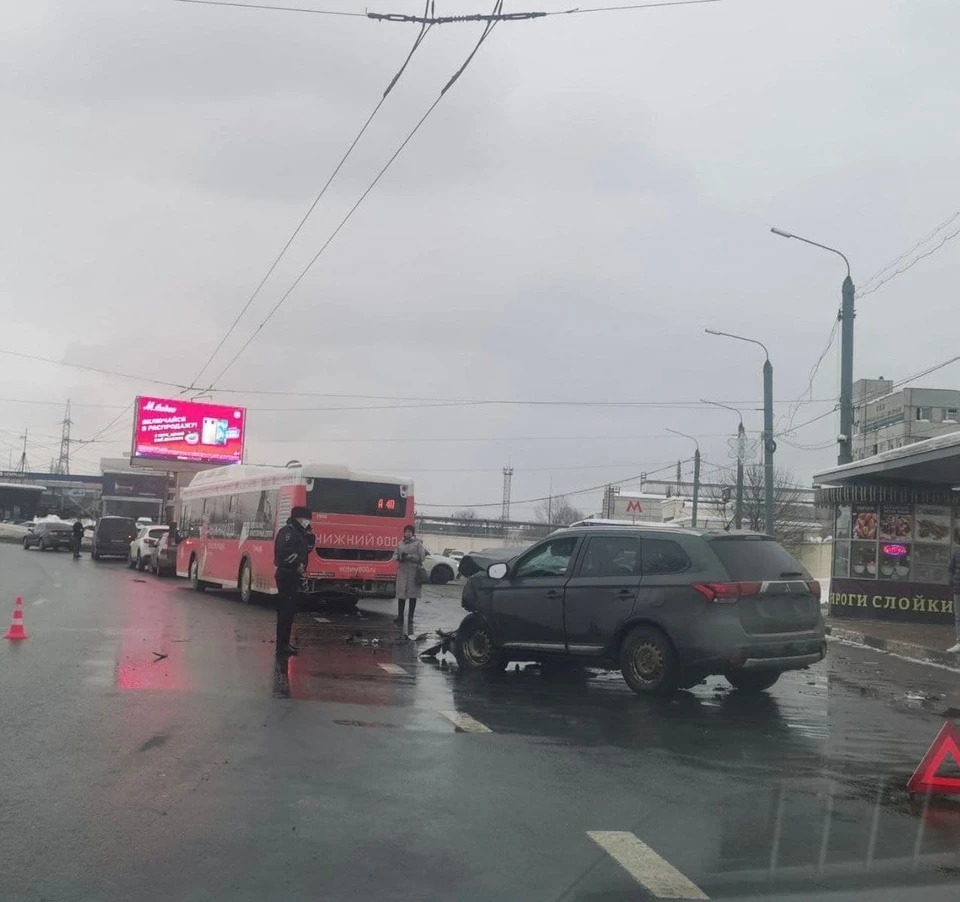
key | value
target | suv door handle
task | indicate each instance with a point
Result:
(553, 593)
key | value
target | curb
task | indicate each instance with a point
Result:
(905, 649)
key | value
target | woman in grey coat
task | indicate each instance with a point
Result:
(411, 554)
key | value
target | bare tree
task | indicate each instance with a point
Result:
(793, 518)
(557, 511)
(465, 515)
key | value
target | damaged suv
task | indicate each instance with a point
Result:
(666, 607)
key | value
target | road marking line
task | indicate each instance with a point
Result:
(464, 723)
(392, 668)
(652, 872)
(40, 601)
(321, 619)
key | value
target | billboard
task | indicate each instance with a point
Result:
(177, 429)
(135, 485)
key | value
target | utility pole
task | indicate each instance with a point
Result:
(696, 474)
(63, 462)
(769, 443)
(22, 464)
(769, 447)
(696, 484)
(847, 314)
(741, 450)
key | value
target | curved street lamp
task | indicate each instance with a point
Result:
(696, 473)
(847, 314)
(741, 443)
(769, 445)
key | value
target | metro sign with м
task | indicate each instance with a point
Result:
(634, 507)
(925, 779)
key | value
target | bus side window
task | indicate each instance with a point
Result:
(266, 507)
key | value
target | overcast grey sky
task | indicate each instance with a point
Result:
(591, 194)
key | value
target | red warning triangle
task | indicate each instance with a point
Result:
(946, 745)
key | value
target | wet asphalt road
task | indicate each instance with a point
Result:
(213, 774)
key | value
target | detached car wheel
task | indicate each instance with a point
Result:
(648, 662)
(474, 648)
(752, 681)
(440, 575)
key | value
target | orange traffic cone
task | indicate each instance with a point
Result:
(16, 630)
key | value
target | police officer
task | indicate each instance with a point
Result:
(291, 549)
(77, 537)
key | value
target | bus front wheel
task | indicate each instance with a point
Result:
(198, 584)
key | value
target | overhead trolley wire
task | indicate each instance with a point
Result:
(449, 20)
(486, 32)
(424, 29)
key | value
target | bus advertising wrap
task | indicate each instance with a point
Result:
(176, 429)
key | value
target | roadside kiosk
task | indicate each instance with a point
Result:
(897, 521)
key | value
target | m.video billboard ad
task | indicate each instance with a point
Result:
(192, 431)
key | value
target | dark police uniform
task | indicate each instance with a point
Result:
(291, 550)
(77, 537)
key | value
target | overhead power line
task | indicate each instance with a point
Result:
(486, 32)
(795, 405)
(907, 253)
(423, 33)
(449, 20)
(385, 439)
(289, 9)
(926, 372)
(909, 265)
(90, 369)
(571, 494)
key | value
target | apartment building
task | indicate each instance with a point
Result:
(885, 419)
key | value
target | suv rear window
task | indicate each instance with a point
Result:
(756, 558)
(117, 526)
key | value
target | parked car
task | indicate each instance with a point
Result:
(112, 537)
(49, 536)
(439, 568)
(143, 546)
(666, 607)
(163, 561)
(454, 553)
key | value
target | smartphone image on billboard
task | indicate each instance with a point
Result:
(214, 431)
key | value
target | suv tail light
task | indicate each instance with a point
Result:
(726, 593)
(150, 542)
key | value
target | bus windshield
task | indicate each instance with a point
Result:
(345, 496)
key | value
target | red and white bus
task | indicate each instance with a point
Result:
(230, 515)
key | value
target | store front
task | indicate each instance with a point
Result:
(897, 522)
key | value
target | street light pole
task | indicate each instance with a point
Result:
(741, 445)
(769, 444)
(847, 314)
(696, 473)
